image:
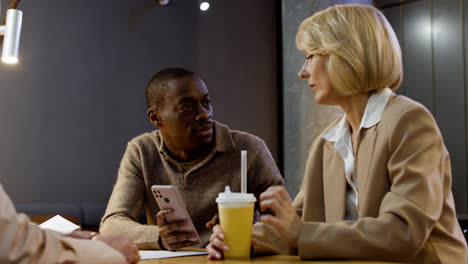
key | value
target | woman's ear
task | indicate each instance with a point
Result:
(153, 116)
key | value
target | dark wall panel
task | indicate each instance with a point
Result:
(417, 52)
(394, 15)
(449, 103)
(235, 69)
(465, 51)
(435, 74)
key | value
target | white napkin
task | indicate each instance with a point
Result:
(59, 224)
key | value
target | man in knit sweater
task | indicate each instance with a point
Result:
(190, 151)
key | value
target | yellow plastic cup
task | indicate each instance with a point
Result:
(236, 211)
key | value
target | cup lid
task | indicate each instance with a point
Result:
(232, 197)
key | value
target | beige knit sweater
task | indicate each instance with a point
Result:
(146, 162)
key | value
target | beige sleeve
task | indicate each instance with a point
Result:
(24, 242)
(93, 251)
(298, 202)
(127, 202)
(269, 241)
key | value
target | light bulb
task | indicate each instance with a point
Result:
(10, 60)
(12, 36)
(163, 2)
(204, 6)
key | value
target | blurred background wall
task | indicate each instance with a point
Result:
(75, 99)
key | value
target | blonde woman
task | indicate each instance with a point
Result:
(377, 184)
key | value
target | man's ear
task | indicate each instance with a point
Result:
(153, 116)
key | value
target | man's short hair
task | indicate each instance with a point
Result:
(158, 85)
(364, 54)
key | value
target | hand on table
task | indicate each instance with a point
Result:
(171, 238)
(123, 245)
(284, 218)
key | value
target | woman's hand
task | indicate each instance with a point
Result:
(284, 218)
(216, 246)
(123, 245)
(171, 238)
(214, 221)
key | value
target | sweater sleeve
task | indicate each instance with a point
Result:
(24, 242)
(417, 166)
(127, 202)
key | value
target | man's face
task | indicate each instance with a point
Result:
(186, 116)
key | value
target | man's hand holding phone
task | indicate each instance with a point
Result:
(176, 229)
(171, 238)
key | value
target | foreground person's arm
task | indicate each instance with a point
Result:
(24, 242)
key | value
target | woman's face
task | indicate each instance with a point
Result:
(315, 72)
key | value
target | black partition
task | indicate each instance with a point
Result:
(433, 37)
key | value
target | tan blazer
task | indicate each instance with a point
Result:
(406, 206)
(24, 242)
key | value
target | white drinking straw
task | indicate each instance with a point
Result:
(244, 171)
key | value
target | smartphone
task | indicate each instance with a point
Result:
(168, 197)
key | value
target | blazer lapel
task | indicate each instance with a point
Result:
(334, 181)
(363, 164)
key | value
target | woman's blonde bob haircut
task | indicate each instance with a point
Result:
(364, 54)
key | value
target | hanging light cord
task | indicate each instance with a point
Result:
(12, 5)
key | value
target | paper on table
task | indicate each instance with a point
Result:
(59, 224)
(157, 254)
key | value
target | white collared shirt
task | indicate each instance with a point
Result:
(341, 135)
